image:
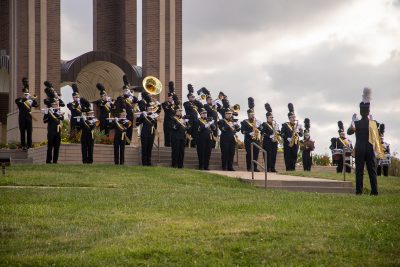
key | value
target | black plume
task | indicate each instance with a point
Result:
(340, 125)
(268, 107)
(382, 128)
(100, 87)
(291, 107)
(125, 79)
(85, 104)
(190, 89)
(307, 125)
(25, 82)
(250, 101)
(171, 88)
(225, 103)
(333, 140)
(205, 91)
(175, 98)
(75, 88)
(48, 84)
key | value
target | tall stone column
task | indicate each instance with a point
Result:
(34, 38)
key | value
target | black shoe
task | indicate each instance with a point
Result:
(206, 169)
(249, 170)
(273, 170)
(231, 169)
(256, 170)
(24, 148)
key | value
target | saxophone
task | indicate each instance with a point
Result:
(295, 135)
(257, 134)
(277, 136)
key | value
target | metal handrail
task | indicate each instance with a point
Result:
(256, 162)
(346, 164)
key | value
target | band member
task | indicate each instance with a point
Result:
(53, 117)
(77, 106)
(25, 104)
(338, 144)
(212, 112)
(120, 126)
(149, 121)
(271, 138)
(191, 108)
(251, 128)
(105, 104)
(368, 144)
(180, 127)
(385, 163)
(291, 133)
(228, 138)
(307, 146)
(128, 101)
(168, 107)
(204, 139)
(87, 124)
(222, 104)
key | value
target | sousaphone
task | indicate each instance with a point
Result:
(152, 85)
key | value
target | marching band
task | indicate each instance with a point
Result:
(207, 124)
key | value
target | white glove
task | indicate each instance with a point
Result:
(154, 116)
(252, 133)
(236, 123)
(258, 123)
(370, 117)
(186, 120)
(158, 103)
(276, 127)
(271, 136)
(78, 119)
(354, 118)
(299, 127)
(46, 111)
(211, 123)
(289, 139)
(144, 113)
(207, 125)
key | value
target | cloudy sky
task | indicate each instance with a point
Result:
(316, 54)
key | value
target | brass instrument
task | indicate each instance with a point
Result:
(307, 145)
(152, 85)
(295, 135)
(236, 108)
(277, 136)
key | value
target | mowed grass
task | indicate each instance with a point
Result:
(103, 215)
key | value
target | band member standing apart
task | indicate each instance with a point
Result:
(179, 127)
(212, 112)
(168, 107)
(191, 108)
(228, 128)
(339, 144)
(149, 121)
(105, 105)
(368, 144)
(205, 139)
(53, 117)
(252, 134)
(25, 105)
(120, 126)
(87, 125)
(271, 137)
(307, 146)
(291, 133)
(385, 163)
(77, 107)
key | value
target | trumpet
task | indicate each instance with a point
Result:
(236, 108)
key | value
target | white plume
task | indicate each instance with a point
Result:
(366, 97)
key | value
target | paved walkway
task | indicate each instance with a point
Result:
(271, 176)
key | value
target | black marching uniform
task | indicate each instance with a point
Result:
(228, 143)
(212, 112)
(53, 118)
(87, 127)
(120, 126)
(204, 143)
(191, 109)
(290, 153)
(129, 102)
(105, 107)
(270, 144)
(25, 119)
(365, 151)
(178, 140)
(147, 135)
(247, 130)
(168, 108)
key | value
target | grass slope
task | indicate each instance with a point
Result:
(74, 215)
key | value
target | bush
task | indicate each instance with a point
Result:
(394, 169)
(321, 160)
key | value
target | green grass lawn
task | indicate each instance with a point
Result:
(106, 215)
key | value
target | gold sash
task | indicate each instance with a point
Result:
(375, 140)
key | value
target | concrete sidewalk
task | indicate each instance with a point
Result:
(291, 183)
